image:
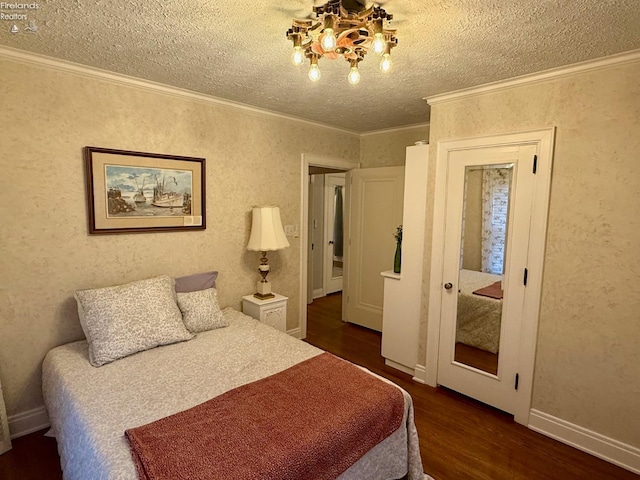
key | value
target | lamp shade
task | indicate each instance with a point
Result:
(266, 230)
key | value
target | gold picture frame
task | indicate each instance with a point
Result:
(138, 192)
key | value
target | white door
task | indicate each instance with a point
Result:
(334, 232)
(375, 211)
(488, 200)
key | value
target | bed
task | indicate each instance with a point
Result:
(90, 408)
(479, 317)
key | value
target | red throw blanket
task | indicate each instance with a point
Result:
(311, 421)
(493, 291)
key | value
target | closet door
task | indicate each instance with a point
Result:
(508, 382)
(487, 225)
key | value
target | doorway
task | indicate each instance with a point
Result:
(371, 214)
(326, 232)
(490, 214)
(315, 165)
(333, 245)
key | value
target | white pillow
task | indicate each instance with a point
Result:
(200, 310)
(126, 319)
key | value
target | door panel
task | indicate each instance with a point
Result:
(375, 210)
(334, 228)
(479, 335)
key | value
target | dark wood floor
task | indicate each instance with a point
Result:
(459, 438)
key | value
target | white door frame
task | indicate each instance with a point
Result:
(317, 161)
(544, 141)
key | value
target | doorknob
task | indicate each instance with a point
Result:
(330, 242)
(448, 286)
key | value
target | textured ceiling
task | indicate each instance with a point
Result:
(237, 50)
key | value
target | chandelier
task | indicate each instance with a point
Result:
(343, 29)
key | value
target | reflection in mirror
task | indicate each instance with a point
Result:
(485, 218)
(338, 236)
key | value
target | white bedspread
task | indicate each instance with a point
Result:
(90, 408)
(479, 318)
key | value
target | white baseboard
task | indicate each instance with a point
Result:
(613, 451)
(317, 293)
(420, 375)
(398, 366)
(295, 332)
(28, 422)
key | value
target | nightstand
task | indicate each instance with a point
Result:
(272, 311)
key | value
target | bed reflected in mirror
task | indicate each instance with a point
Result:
(480, 282)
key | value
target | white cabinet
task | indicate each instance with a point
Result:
(272, 311)
(403, 292)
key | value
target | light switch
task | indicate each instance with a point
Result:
(291, 230)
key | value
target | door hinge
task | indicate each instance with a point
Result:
(517, 380)
(535, 163)
(526, 275)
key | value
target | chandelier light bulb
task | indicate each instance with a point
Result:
(354, 75)
(386, 64)
(314, 72)
(328, 40)
(378, 45)
(297, 56)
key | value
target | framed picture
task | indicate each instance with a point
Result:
(136, 192)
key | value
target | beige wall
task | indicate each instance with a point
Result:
(472, 235)
(587, 368)
(388, 148)
(48, 116)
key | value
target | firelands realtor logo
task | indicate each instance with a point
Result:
(18, 16)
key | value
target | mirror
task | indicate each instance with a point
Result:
(485, 218)
(338, 228)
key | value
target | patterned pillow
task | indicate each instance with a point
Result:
(200, 310)
(126, 319)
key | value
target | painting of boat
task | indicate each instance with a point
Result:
(143, 192)
(165, 198)
(139, 197)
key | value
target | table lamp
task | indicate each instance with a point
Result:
(267, 234)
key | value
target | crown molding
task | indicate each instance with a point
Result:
(395, 129)
(551, 74)
(25, 57)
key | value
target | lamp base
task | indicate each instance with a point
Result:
(264, 297)
(263, 290)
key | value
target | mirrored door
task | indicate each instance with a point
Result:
(487, 226)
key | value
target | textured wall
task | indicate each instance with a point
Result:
(48, 116)
(388, 149)
(587, 367)
(472, 233)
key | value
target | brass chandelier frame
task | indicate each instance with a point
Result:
(355, 32)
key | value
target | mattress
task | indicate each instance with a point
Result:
(90, 408)
(479, 317)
